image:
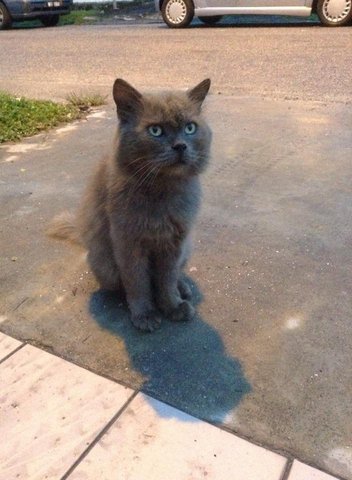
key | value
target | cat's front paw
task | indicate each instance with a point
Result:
(146, 321)
(182, 313)
(184, 289)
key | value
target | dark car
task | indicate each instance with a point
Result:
(48, 12)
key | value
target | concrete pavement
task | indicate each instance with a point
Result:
(61, 421)
(297, 62)
(269, 355)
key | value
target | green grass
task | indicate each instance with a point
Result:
(89, 13)
(21, 117)
(85, 101)
(75, 17)
(80, 17)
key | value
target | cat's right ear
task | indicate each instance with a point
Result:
(199, 92)
(128, 100)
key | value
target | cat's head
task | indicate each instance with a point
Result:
(162, 133)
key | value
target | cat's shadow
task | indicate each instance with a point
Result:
(184, 364)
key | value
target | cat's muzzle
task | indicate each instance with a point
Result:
(181, 153)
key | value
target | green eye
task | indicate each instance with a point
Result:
(155, 130)
(190, 128)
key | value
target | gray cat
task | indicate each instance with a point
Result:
(137, 213)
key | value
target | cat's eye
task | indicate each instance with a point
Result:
(155, 130)
(190, 128)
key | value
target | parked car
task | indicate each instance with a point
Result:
(48, 12)
(179, 13)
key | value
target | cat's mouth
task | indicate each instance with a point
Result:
(179, 158)
(182, 158)
(176, 163)
(179, 163)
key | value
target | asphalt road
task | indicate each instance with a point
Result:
(269, 355)
(295, 61)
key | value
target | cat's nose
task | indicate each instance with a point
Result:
(179, 147)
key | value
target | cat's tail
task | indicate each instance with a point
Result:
(63, 227)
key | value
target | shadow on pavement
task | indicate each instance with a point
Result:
(184, 364)
(257, 21)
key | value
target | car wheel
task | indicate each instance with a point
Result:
(334, 13)
(177, 13)
(211, 20)
(51, 21)
(5, 19)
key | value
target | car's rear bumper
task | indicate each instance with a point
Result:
(42, 8)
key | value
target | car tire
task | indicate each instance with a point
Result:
(51, 21)
(211, 20)
(5, 18)
(177, 13)
(334, 13)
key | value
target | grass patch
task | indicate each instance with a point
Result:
(21, 117)
(87, 14)
(83, 14)
(81, 17)
(85, 101)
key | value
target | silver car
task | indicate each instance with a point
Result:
(179, 13)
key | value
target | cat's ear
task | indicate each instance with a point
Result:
(128, 100)
(199, 92)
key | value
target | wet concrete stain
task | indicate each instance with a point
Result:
(184, 364)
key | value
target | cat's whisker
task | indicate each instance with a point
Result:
(145, 173)
(155, 176)
(136, 160)
(148, 174)
(152, 175)
(141, 169)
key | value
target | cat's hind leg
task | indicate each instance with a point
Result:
(104, 267)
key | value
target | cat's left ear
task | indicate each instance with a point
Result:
(199, 92)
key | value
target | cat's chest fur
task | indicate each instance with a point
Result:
(165, 214)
